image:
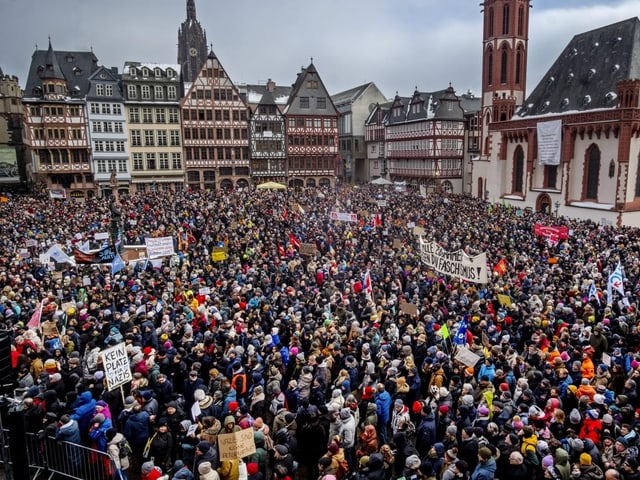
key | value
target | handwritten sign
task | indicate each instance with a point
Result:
(116, 366)
(159, 246)
(418, 231)
(409, 308)
(467, 357)
(236, 445)
(397, 243)
(307, 249)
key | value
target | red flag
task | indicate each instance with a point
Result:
(34, 322)
(368, 288)
(501, 267)
(376, 221)
(294, 241)
(285, 214)
(281, 251)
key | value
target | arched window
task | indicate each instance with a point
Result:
(518, 170)
(447, 186)
(505, 19)
(521, 20)
(490, 68)
(503, 65)
(491, 19)
(593, 173)
(518, 65)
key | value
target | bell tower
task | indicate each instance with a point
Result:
(505, 38)
(192, 45)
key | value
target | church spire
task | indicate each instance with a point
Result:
(191, 10)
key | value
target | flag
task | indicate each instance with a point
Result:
(501, 267)
(615, 282)
(285, 214)
(58, 254)
(117, 264)
(461, 334)
(445, 331)
(376, 220)
(301, 209)
(84, 247)
(593, 292)
(34, 322)
(281, 251)
(368, 288)
(294, 241)
(332, 250)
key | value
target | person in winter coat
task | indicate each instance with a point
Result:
(149, 471)
(83, 411)
(347, 433)
(113, 449)
(98, 432)
(586, 469)
(136, 430)
(205, 452)
(161, 446)
(181, 471)
(228, 470)
(426, 433)
(69, 431)
(400, 416)
(383, 410)
(486, 468)
(368, 442)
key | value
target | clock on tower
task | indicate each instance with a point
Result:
(193, 52)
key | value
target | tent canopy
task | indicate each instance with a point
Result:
(271, 186)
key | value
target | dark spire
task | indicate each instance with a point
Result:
(52, 68)
(191, 10)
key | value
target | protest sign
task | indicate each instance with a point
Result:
(457, 264)
(116, 366)
(467, 357)
(159, 246)
(409, 308)
(307, 249)
(236, 445)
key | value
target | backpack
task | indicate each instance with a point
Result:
(124, 449)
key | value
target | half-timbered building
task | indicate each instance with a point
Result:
(312, 132)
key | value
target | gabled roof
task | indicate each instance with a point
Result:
(253, 94)
(75, 68)
(105, 75)
(372, 119)
(585, 75)
(348, 97)
(300, 89)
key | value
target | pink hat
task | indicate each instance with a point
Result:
(634, 364)
(565, 356)
(294, 351)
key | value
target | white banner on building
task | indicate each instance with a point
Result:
(344, 216)
(549, 142)
(159, 246)
(457, 264)
(116, 366)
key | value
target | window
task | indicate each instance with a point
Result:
(108, 90)
(304, 102)
(106, 109)
(132, 92)
(490, 69)
(160, 116)
(102, 166)
(96, 127)
(521, 20)
(119, 145)
(137, 161)
(491, 20)
(117, 109)
(327, 123)
(118, 127)
(176, 161)
(503, 65)
(312, 84)
(505, 19)
(151, 161)
(158, 92)
(98, 146)
(174, 136)
(518, 65)
(172, 92)
(170, 73)
(551, 176)
(162, 138)
(100, 89)
(145, 72)
(147, 115)
(321, 102)
(593, 173)
(108, 127)
(134, 115)
(122, 165)
(95, 109)
(164, 161)
(146, 92)
(148, 138)
(158, 73)
(518, 170)
(173, 116)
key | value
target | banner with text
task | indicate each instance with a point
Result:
(344, 216)
(159, 246)
(549, 142)
(457, 264)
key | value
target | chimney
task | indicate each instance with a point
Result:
(271, 85)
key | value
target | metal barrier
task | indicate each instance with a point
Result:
(50, 458)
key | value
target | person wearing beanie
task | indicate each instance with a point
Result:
(253, 472)
(486, 467)
(592, 426)
(98, 432)
(205, 452)
(411, 465)
(149, 471)
(586, 468)
(205, 472)
(181, 471)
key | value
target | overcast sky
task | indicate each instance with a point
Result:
(398, 44)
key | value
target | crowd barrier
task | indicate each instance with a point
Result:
(49, 458)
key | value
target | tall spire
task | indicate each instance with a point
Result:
(52, 68)
(191, 10)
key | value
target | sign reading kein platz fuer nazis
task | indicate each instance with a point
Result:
(232, 446)
(116, 366)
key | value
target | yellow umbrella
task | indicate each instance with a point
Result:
(271, 186)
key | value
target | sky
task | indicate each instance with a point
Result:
(397, 44)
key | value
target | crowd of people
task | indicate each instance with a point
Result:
(330, 340)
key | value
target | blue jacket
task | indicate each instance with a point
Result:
(84, 411)
(136, 428)
(485, 471)
(383, 407)
(489, 371)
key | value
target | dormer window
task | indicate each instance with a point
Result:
(158, 72)
(145, 72)
(132, 71)
(170, 73)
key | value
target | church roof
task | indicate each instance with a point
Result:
(585, 75)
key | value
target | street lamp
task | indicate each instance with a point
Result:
(557, 205)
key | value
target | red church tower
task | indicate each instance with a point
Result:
(504, 61)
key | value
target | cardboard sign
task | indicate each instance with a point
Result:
(397, 243)
(308, 249)
(467, 357)
(218, 256)
(606, 359)
(232, 446)
(159, 246)
(31, 243)
(409, 308)
(418, 231)
(116, 366)
(505, 300)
